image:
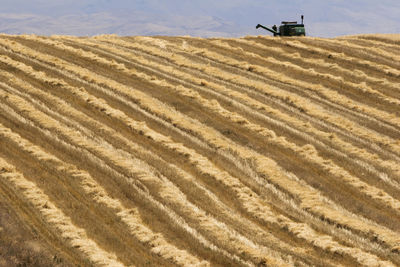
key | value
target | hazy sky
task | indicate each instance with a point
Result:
(196, 17)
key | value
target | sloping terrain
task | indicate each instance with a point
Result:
(165, 151)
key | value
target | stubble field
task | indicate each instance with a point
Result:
(182, 151)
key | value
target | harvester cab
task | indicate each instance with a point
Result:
(287, 28)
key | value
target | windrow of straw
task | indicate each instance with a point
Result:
(218, 231)
(381, 69)
(312, 205)
(75, 236)
(389, 48)
(171, 214)
(138, 189)
(62, 106)
(308, 152)
(351, 59)
(300, 102)
(113, 86)
(100, 196)
(385, 38)
(341, 74)
(329, 80)
(367, 53)
(327, 93)
(335, 246)
(131, 217)
(342, 125)
(285, 121)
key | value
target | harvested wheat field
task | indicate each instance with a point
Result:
(181, 151)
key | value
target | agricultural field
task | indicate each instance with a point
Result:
(182, 151)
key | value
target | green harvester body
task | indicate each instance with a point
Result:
(288, 28)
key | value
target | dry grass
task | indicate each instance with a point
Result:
(75, 236)
(205, 152)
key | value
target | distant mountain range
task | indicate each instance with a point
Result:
(197, 18)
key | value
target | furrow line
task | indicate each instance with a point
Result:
(308, 152)
(65, 108)
(326, 242)
(101, 224)
(70, 233)
(301, 229)
(373, 69)
(114, 63)
(121, 67)
(248, 70)
(324, 54)
(171, 195)
(261, 106)
(359, 93)
(296, 186)
(32, 220)
(375, 55)
(303, 104)
(358, 80)
(138, 188)
(327, 93)
(252, 108)
(170, 186)
(388, 48)
(382, 38)
(156, 241)
(129, 216)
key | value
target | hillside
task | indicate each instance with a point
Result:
(181, 151)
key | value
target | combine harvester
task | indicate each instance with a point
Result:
(288, 28)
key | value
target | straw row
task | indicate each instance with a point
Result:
(262, 215)
(285, 121)
(279, 180)
(109, 102)
(301, 103)
(269, 135)
(70, 233)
